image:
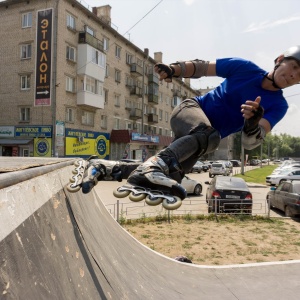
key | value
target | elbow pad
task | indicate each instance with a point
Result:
(251, 141)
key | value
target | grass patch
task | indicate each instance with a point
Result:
(258, 175)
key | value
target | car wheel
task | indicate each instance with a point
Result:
(198, 189)
(287, 211)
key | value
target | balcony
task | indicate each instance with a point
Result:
(153, 79)
(135, 114)
(86, 38)
(137, 91)
(89, 99)
(136, 70)
(152, 98)
(152, 118)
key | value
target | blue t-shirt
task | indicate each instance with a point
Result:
(242, 82)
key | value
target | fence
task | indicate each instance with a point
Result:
(136, 210)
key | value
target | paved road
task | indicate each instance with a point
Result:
(192, 204)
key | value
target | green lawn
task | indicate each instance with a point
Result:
(258, 175)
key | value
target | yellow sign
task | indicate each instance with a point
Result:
(42, 147)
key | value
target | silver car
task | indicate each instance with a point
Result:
(219, 168)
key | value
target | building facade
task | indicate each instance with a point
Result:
(72, 86)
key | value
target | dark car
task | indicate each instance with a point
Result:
(235, 163)
(286, 197)
(228, 195)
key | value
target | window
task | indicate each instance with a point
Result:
(27, 20)
(107, 71)
(103, 121)
(166, 116)
(98, 58)
(105, 44)
(25, 82)
(71, 53)
(105, 96)
(129, 58)
(70, 84)
(88, 118)
(117, 76)
(25, 114)
(116, 123)
(160, 113)
(25, 51)
(117, 100)
(118, 51)
(71, 22)
(160, 131)
(69, 115)
(89, 30)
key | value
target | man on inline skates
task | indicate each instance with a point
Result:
(249, 100)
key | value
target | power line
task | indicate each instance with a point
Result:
(143, 17)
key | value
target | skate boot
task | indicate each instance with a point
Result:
(88, 172)
(151, 181)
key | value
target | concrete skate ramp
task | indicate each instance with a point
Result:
(57, 245)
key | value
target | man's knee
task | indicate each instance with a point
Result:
(208, 138)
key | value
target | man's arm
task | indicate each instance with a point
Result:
(187, 69)
(255, 126)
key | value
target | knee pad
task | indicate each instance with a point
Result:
(208, 138)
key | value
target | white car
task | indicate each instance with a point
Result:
(283, 176)
(192, 186)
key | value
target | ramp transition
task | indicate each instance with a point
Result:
(57, 245)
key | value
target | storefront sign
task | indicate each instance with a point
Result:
(42, 147)
(7, 131)
(43, 58)
(33, 131)
(144, 137)
(80, 143)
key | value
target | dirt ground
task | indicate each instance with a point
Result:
(226, 241)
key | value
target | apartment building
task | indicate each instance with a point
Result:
(72, 86)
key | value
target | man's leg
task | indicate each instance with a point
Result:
(194, 137)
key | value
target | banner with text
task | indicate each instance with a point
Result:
(43, 58)
(80, 143)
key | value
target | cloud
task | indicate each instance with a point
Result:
(270, 24)
(188, 2)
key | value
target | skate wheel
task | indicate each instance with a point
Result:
(121, 194)
(77, 163)
(139, 196)
(73, 178)
(172, 205)
(152, 201)
(73, 189)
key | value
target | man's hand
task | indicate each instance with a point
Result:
(165, 72)
(252, 112)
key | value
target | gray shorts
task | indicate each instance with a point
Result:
(187, 116)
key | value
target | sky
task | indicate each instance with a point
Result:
(258, 30)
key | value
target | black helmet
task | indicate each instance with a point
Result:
(293, 52)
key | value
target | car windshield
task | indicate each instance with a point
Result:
(231, 184)
(217, 165)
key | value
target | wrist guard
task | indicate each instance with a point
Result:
(251, 125)
(169, 70)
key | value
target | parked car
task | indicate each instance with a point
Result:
(235, 163)
(205, 167)
(219, 168)
(228, 195)
(284, 175)
(286, 197)
(192, 186)
(197, 167)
